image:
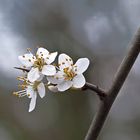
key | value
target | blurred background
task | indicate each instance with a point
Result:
(97, 29)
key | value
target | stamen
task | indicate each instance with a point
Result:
(70, 74)
(21, 93)
(29, 50)
(20, 78)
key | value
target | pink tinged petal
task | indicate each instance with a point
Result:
(81, 65)
(33, 102)
(53, 88)
(33, 75)
(41, 90)
(57, 78)
(30, 91)
(64, 86)
(50, 57)
(79, 81)
(64, 61)
(49, 70)
(41, 52)
(27, 59)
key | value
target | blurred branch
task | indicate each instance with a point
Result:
(119, 79)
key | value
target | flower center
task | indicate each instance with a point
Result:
(39, 63)
(69, 74)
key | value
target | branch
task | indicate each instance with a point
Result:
(100, 92)
(118, 82)
(23, 69)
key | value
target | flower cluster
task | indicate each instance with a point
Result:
(59, 77)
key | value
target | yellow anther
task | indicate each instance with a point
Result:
(14, 93)
(39, 63)
(29, 49)
(69, 74)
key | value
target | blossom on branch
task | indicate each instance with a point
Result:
(59, 78)
(39, 64)
(69, 74)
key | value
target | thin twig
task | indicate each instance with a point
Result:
(23, 69)
(118, 82)
(100, 92)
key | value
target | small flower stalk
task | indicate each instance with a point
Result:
(60, 77)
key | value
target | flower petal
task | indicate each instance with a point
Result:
(41, 77)
(41, 90)
(41, 52)
(64, 61)
(79, 81)
(64, 86)
(50, 57)
(33, 75)
(49, 70)
(27, 59)
(33, 102)
(30, 91)
(57, 78)
(81, 65)
(53, 88)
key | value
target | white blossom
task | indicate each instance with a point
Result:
(31, 90)
(69, 74)
(40, 64)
